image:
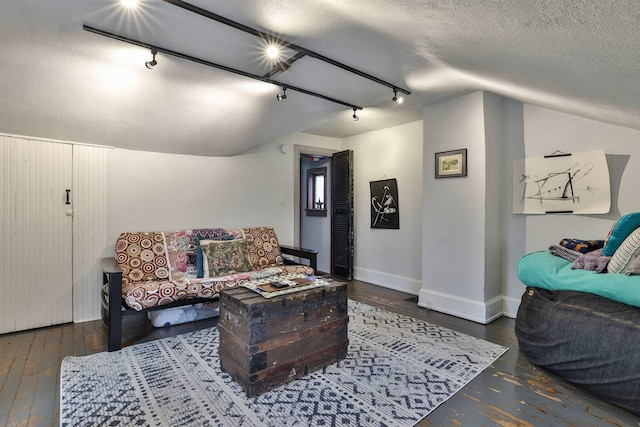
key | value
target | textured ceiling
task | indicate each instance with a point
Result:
(58, 81)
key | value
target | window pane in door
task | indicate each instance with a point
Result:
(319, 190)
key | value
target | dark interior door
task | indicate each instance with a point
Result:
(342, 215)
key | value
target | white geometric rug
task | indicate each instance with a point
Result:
(398, 369)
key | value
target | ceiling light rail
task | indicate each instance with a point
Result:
(155, 49)
(282, 66)
(281, 42)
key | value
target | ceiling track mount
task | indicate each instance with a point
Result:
(281, 42)
(266, 79)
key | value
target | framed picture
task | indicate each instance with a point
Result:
(384, 204)
(451, 163)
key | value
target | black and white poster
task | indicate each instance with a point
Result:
(384, 204)
(575, 183)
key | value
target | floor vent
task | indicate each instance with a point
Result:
(412, 299)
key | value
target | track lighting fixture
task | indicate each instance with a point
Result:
(153, 62)
(282, 95)
(395, 96)
(279, 42)
(266, 79)
(276, 44)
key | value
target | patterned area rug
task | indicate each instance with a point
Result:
(398, 369)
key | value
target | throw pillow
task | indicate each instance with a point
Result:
(634, 267)
(592, 261)
(225, 257)
(562, 252)
(192, 248)
(177, 244)
(200, 264)
(620, 230)
(625, 252)
(142, 257)
(264, 250)
(582, 246)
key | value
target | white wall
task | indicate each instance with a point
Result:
(392, 258)
(155, 191)
(494, 126)
(535, 131)
(546, 131)
(513, 230)
(453, 251)
(511, 131)
(468, 223)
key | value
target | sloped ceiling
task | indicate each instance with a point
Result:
(58, 81)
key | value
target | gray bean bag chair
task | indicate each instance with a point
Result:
(591, 341)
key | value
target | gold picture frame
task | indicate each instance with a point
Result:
(451, 164)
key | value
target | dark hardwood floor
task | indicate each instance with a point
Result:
(511, 392)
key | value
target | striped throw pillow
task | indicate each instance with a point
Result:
(633, 268)
(628, 249)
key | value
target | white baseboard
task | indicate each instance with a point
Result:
(386, 280)
(87, 320)
(510, 306)
(476, 311)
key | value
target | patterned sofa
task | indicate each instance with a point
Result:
(157, 270)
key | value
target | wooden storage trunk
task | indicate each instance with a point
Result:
(266, 342)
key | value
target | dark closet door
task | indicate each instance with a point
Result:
(342, 215)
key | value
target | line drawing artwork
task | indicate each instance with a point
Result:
(556, 185)
(577, 183)
(384, 204)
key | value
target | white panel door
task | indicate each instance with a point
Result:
(36, 234)
(89, 228)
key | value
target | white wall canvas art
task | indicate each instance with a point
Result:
(575, 183)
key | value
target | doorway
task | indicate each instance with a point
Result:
(325, 223)
(315, 223)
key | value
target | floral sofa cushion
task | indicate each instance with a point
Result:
(177, 252)
(265, 250)
(297, 269)
(142, 257)
(157, 266)
(143, 295)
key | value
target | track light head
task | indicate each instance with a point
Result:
(273, 51)
(283, 95)
(153, 62)
(355, 116)
(395, 97)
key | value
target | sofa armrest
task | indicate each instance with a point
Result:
(112, 276)
(310, 254)
(110, 266)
